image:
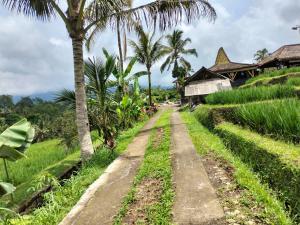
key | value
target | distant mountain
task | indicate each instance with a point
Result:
(49, 96)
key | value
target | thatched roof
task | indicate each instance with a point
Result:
(204, 74)
(224, 65)
(284, 53)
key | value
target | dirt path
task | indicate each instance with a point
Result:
(102, 200)
(196, 201)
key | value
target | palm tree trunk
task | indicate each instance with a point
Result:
(82, 121)
(120, 45)
(150, 88)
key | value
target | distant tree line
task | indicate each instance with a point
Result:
(47, 117)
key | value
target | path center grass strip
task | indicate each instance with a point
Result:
(151, 197)
(60, 201)
(206, 142)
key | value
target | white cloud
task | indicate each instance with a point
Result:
(36, 57)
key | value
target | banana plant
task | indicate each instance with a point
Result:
(6, 189)
(124, 77)
(14, 141)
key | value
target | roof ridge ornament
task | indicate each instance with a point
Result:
(222, 57)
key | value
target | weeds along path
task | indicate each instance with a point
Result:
(103, 199)
(196, 201)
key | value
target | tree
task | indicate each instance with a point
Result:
(82, 17)
(176, 50)
(261, 54)
(147, 52)
(6, 103)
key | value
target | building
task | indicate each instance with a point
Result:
(204, 82)
(237, 73)
(285, 56)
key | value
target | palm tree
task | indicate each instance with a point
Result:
(147, 52)
(83, 17)
(261, 54)
(176, 50)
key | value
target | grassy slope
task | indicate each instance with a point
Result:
(39, 157)
(60, 201)
(280, 119)
(206, 142)
(157, 165)
(239, 96)
(275, 73)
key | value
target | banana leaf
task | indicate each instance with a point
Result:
(6, 188)
(15, 140)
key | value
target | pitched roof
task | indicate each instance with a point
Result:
(204, 74)
(284, 53)
(223, 64)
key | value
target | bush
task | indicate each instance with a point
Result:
(277, 163)
(239, 96)
(279, 119)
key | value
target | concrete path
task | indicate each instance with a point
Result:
(196, 201)
(103, 199)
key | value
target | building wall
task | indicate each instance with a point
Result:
(207, 87)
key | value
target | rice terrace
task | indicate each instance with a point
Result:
(133, 112)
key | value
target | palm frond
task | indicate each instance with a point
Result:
(66, 97)
(161, 13)
(40, 9)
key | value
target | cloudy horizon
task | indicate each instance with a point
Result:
(36, 57)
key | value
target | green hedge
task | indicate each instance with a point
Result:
(277, 163)
(240, 96)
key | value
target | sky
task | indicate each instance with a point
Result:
(36, 57)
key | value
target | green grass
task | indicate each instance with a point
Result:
(277, 163)
(280, 119)
(275, 73)
(268, 81)
(206, 142)
(60, 201)
(24, 192)
(156, 165)
(293, 81)
(239, 96)
(39, 157)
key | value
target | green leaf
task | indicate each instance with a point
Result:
(19, 135)
(6, 188)
(10, 153)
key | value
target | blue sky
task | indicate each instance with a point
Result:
(36, 57)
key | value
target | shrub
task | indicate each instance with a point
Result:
(279, 119)
(239, 96)
(277, 163)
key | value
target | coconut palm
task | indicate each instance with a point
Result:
(261, 54)
(82, 17)
(147, 52)
(176, 50)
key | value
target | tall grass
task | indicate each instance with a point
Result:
(294, 81)
(281, 119)
(274, 74)
(240, 96)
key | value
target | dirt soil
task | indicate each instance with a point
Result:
(236, 205)
(147, 194)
